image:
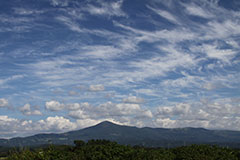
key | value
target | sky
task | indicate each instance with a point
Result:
(70, 64)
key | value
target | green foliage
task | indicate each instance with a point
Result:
(79, 143)
(200, 152)
(107, 150)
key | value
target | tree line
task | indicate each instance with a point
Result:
(107, 150)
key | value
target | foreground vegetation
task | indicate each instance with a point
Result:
(107, 150)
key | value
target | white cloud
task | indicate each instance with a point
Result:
(10, 127)
(213, 85)
(183, 82)
(76, 106)
(145, 114)
(25, 11)
(126, 109)
(172, 36)
(12, 20)
(121, 109)
(155, 66)
(201, 83)
(198, 11)
(165, 14)
(27, 110)
(87, 122)
(54, 106)
(61, 3)
(57, 72)
(71, 24)
(179, 109)
(171, 123)
(96, 88)
(102, 51)
(10, 78)
(207, 114)
(224, 29)
(213, 51)
(133, 99)
(159, 66)
(57, 123)
(109, 9)
(78, 114)
(3, 102)
(80, 110)
(147, 91)
(107, 110)
(15, 24)
(165, 122)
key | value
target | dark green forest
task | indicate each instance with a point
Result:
(107, 150)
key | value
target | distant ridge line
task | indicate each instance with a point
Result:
(131, 135)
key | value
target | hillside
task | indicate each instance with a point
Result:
(150, 137)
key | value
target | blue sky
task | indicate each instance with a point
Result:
(68, 64)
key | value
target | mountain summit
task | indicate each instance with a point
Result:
(105, 124)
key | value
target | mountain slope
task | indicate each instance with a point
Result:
(151, 137)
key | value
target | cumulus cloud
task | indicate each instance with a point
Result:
(96, 88)
(133, 99)
(144, 114)
(80, 110)
(3, 102)
(207, 114)
(120, 109)
(178, 109)
(124, 113)
(165, 122)
(10, 127)
(54, 106)
(78, 114)
(27, 110)
(57, 123)
(82, 123)
(171, 123)
(73, 106)
(217, 114)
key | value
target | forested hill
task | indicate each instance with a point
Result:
(150, 137)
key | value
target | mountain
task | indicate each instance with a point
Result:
(150, 137)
